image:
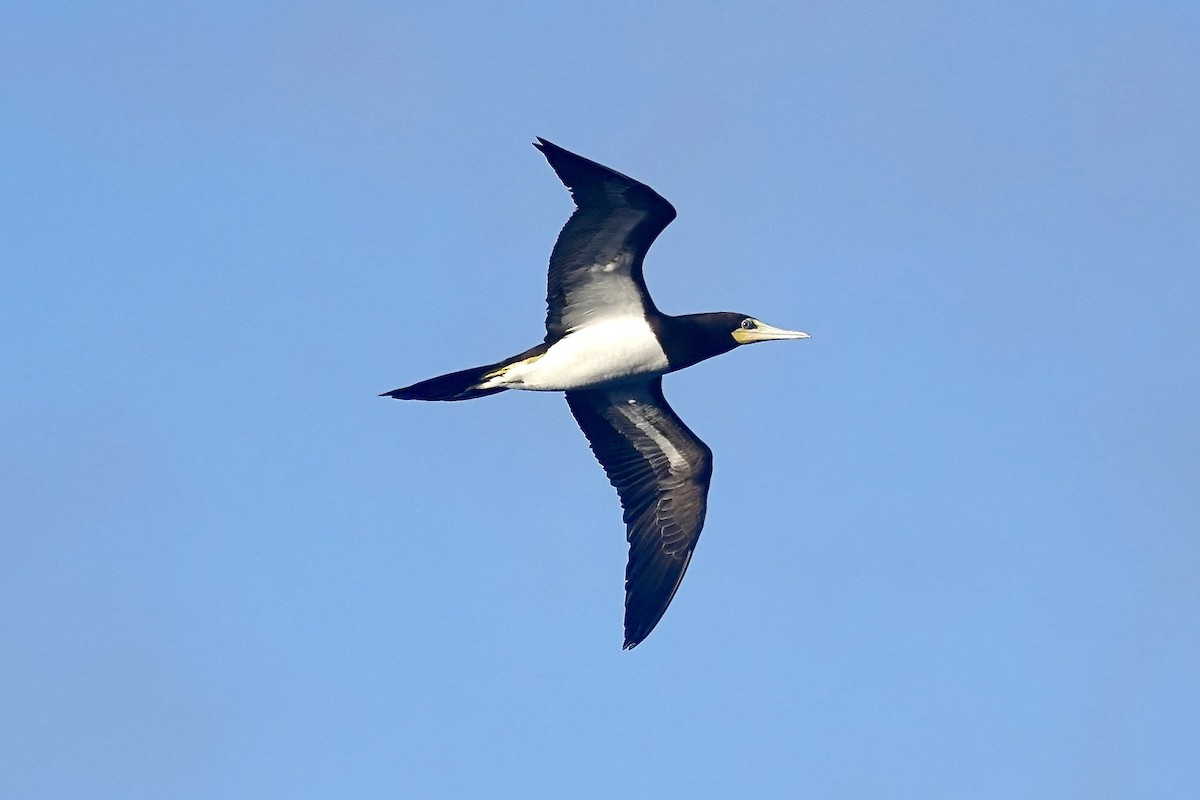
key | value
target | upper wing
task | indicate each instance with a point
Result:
(661, 472)
(596, 264)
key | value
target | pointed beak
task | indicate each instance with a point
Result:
(766, 333)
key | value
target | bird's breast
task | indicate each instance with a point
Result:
(596, 354)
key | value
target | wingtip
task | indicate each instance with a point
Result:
(548, 148)
(633, 638)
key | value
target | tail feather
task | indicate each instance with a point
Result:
(461, 385)
(464, 384)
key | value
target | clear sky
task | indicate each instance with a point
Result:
(953, 545)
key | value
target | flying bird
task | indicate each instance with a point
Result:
(607, 346)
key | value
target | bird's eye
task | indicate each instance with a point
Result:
(749, 325)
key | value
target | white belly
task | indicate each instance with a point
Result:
(597, 354)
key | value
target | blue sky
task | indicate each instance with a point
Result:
(953, 540)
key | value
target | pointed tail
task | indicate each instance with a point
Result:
(461, 385)
(464, 384)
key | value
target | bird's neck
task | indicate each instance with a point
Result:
(691, 338)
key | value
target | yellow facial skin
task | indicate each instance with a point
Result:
(752, 330)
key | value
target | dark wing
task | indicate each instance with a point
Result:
(596, 264)
(661, 472)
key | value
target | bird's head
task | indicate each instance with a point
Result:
(748, 330)
(696, 337)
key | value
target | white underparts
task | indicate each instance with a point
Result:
(601, 353)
